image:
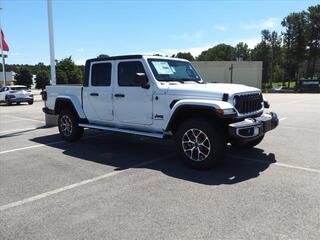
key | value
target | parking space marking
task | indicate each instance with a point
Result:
(17, 130)
(278, 164)
(45, 144)
(281, 119)
(27, 119)
(78, 184)
(30, 147)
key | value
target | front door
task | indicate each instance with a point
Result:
(97, 96)
(132, 103)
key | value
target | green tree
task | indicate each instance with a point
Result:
(61, 77)
(221, 52)
(184, 55)
(273, 42)
(294, 39)
(68, 72)
(242, 51)
(42, 79)
(313, 38)
(24, 77)
(103, 56)
(261, 52)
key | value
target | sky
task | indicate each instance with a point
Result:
(84, 29)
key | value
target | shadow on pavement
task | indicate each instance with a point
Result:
(18, 133)
(123, 152)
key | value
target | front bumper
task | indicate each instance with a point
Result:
(252, 128)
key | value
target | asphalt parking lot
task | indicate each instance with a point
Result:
(113, 186)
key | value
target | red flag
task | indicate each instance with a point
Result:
(5, 46)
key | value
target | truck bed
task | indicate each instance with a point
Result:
(72, 91)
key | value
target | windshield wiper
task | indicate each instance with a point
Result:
(192, 80)
(172, 80)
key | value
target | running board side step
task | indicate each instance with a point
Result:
(148, 134)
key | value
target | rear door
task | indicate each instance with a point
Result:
(97, 96)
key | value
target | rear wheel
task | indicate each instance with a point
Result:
(250, 144)
(200, 144)
(30, 102)
(68, 126)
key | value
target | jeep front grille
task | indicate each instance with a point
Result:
(248, 103)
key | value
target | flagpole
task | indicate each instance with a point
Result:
(2, 55)
(51, 43)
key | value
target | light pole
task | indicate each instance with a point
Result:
(51, 120)
(51, 43)
(3, 61)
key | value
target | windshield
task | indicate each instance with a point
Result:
(173, 70)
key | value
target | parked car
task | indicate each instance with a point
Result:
(281, 90)
(162, 98)
(16, 94)
(309, 86)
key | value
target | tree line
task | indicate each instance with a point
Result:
(286, 56)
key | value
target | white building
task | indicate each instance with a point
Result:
(242, 72)
(9, 78)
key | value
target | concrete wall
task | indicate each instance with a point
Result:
(244, 72)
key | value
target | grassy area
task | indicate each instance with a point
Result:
(266, 86)
(279, 84)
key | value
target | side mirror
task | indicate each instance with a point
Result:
(142, 80)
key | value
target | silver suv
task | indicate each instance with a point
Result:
(16, 94)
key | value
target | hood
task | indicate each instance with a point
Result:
(209, 89)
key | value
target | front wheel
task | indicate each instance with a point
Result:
(68, 126)
(200, 144)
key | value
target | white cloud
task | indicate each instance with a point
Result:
(187, 36)
(220, 28)
(196, 51)
(15, 54)
(271, 22)
(252, 42)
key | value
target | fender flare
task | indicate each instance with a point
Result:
(74, 102)
(201, 104)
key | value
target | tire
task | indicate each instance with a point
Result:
(200, 144)
(250, 144)
(30, 102)
(8, 103)
(68, 126)
(18, 103)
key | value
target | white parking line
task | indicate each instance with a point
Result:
(78, 184)
(27, 119)
(281, 119)
(30, 147)
(277, 164)
(17, 130)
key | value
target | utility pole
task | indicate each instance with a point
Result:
(231, 72)
(51, 43)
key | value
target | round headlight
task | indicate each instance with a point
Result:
(234, 101)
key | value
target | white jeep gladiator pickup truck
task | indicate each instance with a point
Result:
(163, 98)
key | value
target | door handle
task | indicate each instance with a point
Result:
(119, 95)
(94, 94)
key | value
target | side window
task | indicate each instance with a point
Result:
(127, 73)
(101, 74)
